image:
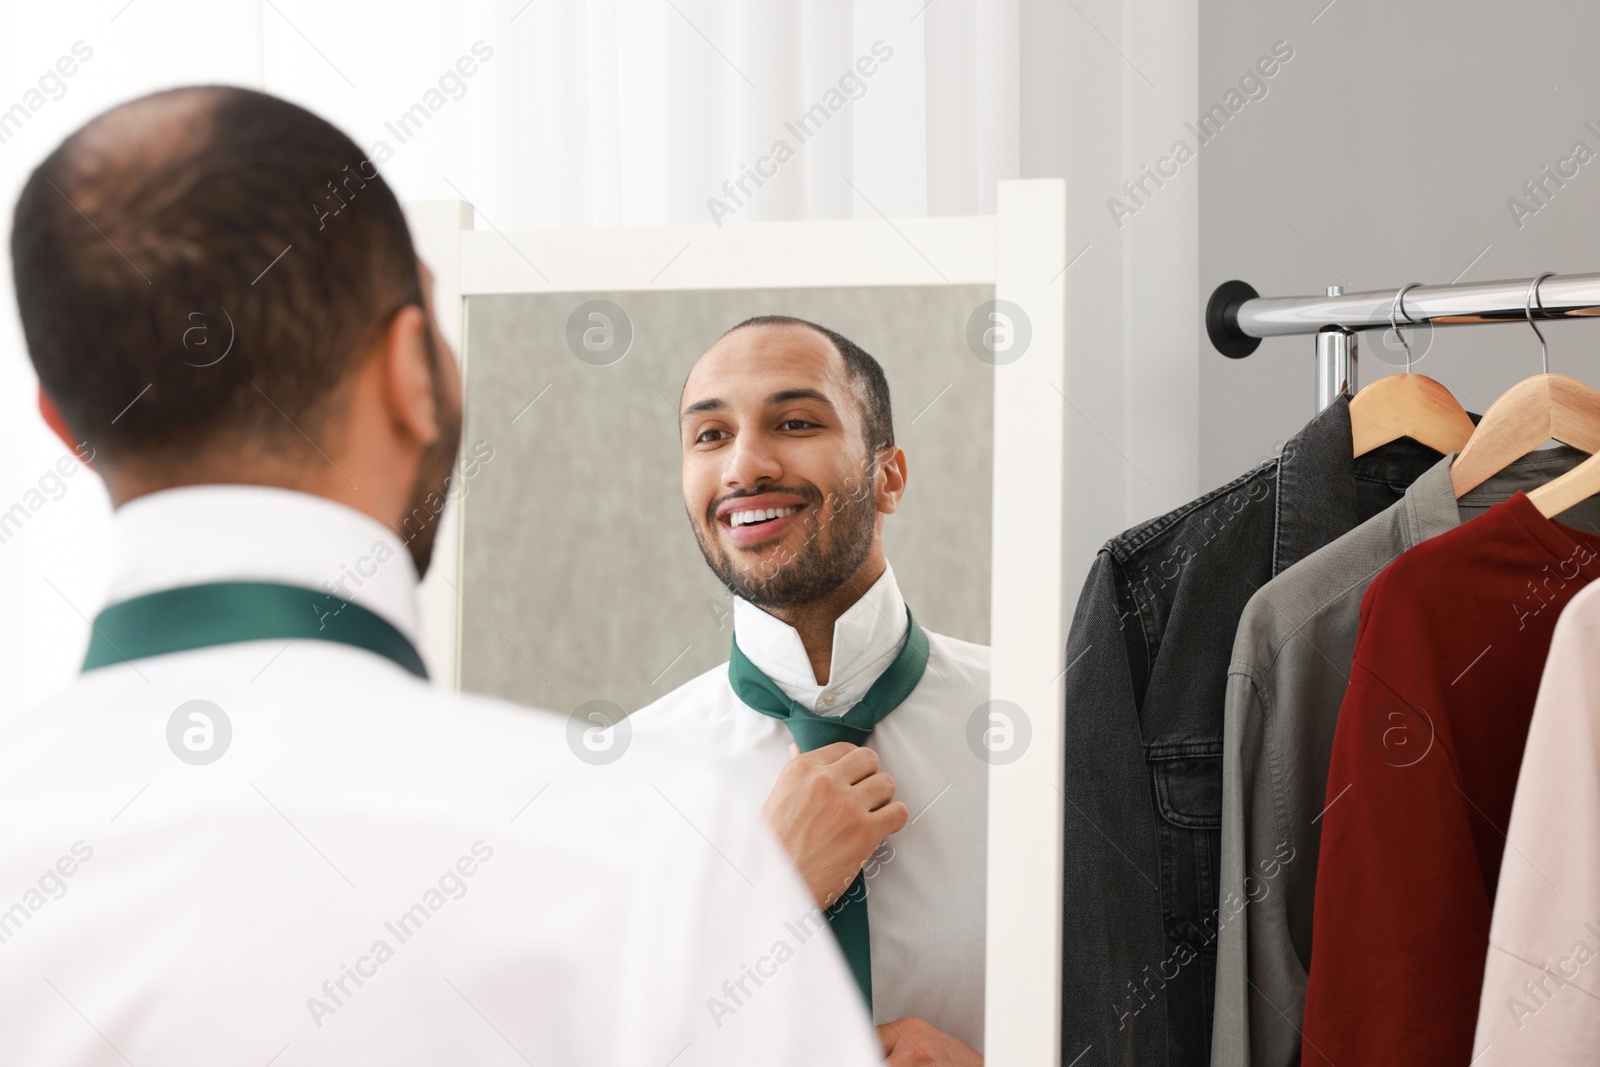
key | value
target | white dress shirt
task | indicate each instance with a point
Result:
(1541, 984)
(374, 870)
(927, 886)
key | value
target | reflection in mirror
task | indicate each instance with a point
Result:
(603, 542)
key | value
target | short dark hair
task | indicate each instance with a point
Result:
(187, 221)
(864, 373)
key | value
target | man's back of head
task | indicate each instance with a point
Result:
(215, 286)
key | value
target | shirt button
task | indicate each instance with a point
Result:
(828, 698)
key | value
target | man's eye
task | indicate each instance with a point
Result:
(795, 424)
(707, 436)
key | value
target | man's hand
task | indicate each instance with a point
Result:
(915, 1043)
(830, 808)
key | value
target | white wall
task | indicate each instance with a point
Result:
(1106, 88)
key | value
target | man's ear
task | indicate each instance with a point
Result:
(891, 479)
(407, 375)
(58, 426)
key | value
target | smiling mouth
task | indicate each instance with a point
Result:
(758, 516)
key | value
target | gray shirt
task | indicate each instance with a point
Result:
(1291, 663)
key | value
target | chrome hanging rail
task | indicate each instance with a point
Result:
(1237, 317)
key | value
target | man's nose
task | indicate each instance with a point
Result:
(751, 461)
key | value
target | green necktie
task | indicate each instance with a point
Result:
(848, 915)
(224, 613)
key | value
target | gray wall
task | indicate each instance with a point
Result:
(582, 579)
(1385, 153)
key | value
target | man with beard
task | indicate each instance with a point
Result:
(251, 829)
(836, 706)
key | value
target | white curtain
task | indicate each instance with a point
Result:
(543, 113)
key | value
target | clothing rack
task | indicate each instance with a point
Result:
(1237, 317)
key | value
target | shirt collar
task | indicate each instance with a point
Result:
(209, 533)
(1316, 498)
(866, 639)
(1431, 504)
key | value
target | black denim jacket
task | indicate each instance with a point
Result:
(1147, 674)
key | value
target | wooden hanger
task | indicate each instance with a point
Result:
(1408, 405)
(1572, 488)
(1535, 410)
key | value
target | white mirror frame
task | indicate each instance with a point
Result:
(1021, 250)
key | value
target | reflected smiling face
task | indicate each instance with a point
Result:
(783, 495)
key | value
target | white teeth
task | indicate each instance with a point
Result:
(748, 518)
